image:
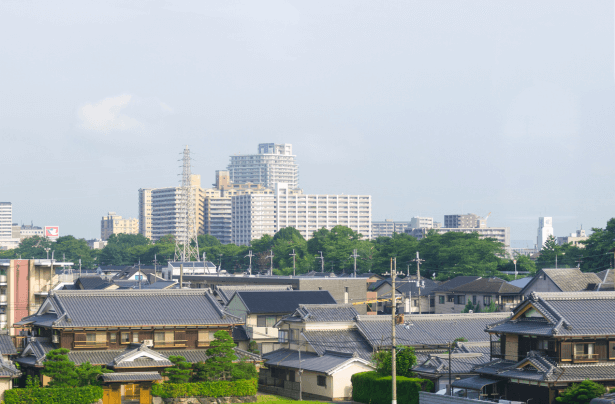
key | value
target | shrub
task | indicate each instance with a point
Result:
(206, 389)
(371, 387)
(38, 395)
(404, 361)
(581, 393)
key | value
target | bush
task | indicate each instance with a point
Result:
(38, 395)
(206, 389)
(371, 387)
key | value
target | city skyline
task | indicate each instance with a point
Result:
(503, 108)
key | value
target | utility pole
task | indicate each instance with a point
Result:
(394, 321)
(355, 255)
(155, 261)
(271, 266)
(450, 372)
(80, 267)
(293, 255)
(418, 277)
(322, 262)
(515, 262)
(220, 263)
(250, 255)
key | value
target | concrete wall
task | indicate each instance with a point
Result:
(357, 289)
(342, 387)
(431, 398)
(541, 285)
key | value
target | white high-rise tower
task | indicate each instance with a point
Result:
(545, 229)
(274, 163)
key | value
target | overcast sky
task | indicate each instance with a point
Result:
(432, 107)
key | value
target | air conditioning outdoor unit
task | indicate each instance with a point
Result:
(148, 342)
(55, 339)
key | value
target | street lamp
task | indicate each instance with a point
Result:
(556, 259)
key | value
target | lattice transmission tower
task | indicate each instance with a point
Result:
(186, 243)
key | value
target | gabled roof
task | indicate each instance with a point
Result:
(92, 283)
(486, 285)
(8, 369)
(428, 329)
(329, 362)
(455, 282)
(566, 279)
(106, 308)
(463, 360)
(324, 313)
(226, 293)
(6, 345)
(562, 314)
(140, 356)
(160, 285)
(281, 301)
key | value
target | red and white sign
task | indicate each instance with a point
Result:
(52, 231)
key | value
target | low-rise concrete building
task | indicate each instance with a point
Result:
(481, 292)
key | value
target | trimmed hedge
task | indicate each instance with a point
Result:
(44, 395)
(206, 389)
(372, 387)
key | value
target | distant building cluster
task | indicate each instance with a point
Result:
(256, 195)
(11, 234)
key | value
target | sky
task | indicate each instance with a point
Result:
(432, 108)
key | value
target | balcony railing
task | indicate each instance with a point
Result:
(89, 344)
(496, 350)
(170, 344)
(585, 357)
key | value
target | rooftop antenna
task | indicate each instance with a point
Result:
(187, 226)
(322, 262)
(355, 255)
(271, 267)
(250, 255)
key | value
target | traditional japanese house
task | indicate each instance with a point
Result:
(551, 341)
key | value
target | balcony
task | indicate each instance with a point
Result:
(496, 350)
(170, 344)
(2, 280)
(89, 345)
(3, 300)
(584, 358)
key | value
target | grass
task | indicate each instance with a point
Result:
(271, 399)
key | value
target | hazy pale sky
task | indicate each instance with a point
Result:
(432, 107)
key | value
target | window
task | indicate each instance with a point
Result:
(206, 336)
(282, 336)
(113, 338)
(295, 335)
(441, 299)
(135, 337)
(432, 302)
(585, 351)
(461, 299)
(291, 376)
(321, 381)
(508, 299)
(451, 299)
(486, 300)
(265, 321)
(164, 338)
(543, 344)
(416, 303)
(125, 338)
(474, 300)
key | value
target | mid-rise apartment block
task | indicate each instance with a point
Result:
(418, 222)
(387, 227)
(464, 221)
(254, 215)
(574, 239)
(274, 163)
(217, 217)
(501, 234)
(7, 241)
(115, 224)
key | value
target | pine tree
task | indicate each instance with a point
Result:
(60, 369)
(180, 371)
(221, 356)
(581, 393)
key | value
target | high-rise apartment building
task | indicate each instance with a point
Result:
(145, 212)
(166, 217)
(421, 222)
(464, 221)
(545, 229)
(254, 215)
(217, 217)
(274, 163)
(115, 224)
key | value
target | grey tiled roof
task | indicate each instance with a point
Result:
(328, 363)
(35, 351)
(160, 285)
(349, 341)
(225, 293)
(94, 357)
(325, 312)
(568, 279)
(455, 282)
(487, 285)
(131, 377)
(474, 383)
(282, 301)
(133, 307)
(406, 287)
(6, 345)
(91, 283)
(8, 369)
(240, 334)
(463, 359)
(544, 369)
(565, 314)
(133, 357)
(428, 329)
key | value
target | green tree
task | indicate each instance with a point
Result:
(598, 254)
(244, 370)
(336, 245)
(34, 247)
(180, 372)
(60, 369)
(404, 361)
(221, 356)
(469, 306)
(253, 347)
(581, 393)
(491, 308)
(88, 375)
